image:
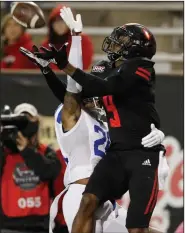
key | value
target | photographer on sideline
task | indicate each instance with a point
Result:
(28, 169)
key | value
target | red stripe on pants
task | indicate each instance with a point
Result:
(152, 196)
(156, 195)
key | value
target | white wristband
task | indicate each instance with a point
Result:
(75, 58)
(72, 86)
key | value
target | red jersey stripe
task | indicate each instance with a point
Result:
(142, 75)
(144, 71)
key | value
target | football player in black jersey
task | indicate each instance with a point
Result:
(127, 92)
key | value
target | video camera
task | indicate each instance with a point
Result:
(10, 125)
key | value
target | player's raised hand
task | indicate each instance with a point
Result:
(41, 63)
(59, 57)
(154, 138)
(74, 25)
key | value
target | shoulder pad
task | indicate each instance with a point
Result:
(140, 61)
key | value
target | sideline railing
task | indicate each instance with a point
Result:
(103, 31)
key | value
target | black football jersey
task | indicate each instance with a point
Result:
(128, 95)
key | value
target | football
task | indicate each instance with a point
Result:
(28, 14)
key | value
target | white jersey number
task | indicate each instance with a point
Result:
(29, 202)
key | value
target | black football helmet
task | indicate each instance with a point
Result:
(128, 41)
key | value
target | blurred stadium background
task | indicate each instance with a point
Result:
(165, 19)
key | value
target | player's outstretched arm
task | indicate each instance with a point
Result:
(76, 27)
(57, 86)
(71, 110)
(92, 85)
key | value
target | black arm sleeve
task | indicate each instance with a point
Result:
(47, 167)
(57, 86)
(95, 86)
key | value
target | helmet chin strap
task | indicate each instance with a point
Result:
(119, 61)
(114, 56)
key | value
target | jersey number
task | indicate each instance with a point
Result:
(101, 141)
(110, 107)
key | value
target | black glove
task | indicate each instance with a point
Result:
(60, 56)
(41, 63)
